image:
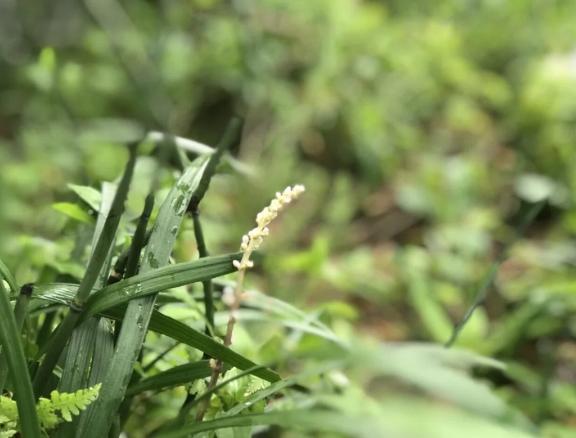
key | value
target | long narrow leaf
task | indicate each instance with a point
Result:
(200, 149)
(14, 354)
(7, 275)
(152, 282)
(21, 307)
(140, 285)
(149, 283)
(104, 242)
(181, 332)
(232, 137)
(81, 349)
(393, 418)
(482, 291)
(99, 256)
(100, 415)
(20, 314)
(170, 327)
(179, 375)
(91, 344)
(300, 420)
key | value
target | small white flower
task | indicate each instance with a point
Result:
(255, 237)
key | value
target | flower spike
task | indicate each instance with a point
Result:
(255, 237)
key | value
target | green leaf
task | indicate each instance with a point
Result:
(439, 371)
(162, 324)
(139, 311)
(362, 417)
(274, 310)
(89, 195)
(100, 254)
(176, 376)
(432, 315)
(73, 211)
(7, 275)
(206, 396)
(483, 288)
(158, 280)
(181, 332)
(327, 421)
(91, 345)
(13, 351)
(141, 285)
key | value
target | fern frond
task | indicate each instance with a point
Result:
(8, 417)
(69, 404)
(61, 406)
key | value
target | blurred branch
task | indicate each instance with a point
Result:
(200, 149)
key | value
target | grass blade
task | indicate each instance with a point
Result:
(99, 255)
(20, 313)
(18, 368)
(101, 414)
(75, 374)
(200, 149)
(139, 239)
(152, 282)
(180, 332)
(7, 275)
(302, 420)
(107, 236)
(149, 283)
(231, 138)
(172, 328)
(485, 285)
(91, 344)
(176, 376)
(206, 285)
(21, 307)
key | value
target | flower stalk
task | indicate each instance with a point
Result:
(250, 243)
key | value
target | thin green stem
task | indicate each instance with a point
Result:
(119, 270)
(158, 358)
(231, 138)
(486, 284)
(206, 285)
(217, 368)
(139, 239)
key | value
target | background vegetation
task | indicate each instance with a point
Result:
(424, 131)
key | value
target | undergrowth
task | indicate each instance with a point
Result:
(139, 333)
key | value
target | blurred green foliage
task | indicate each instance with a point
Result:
(423, 130)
